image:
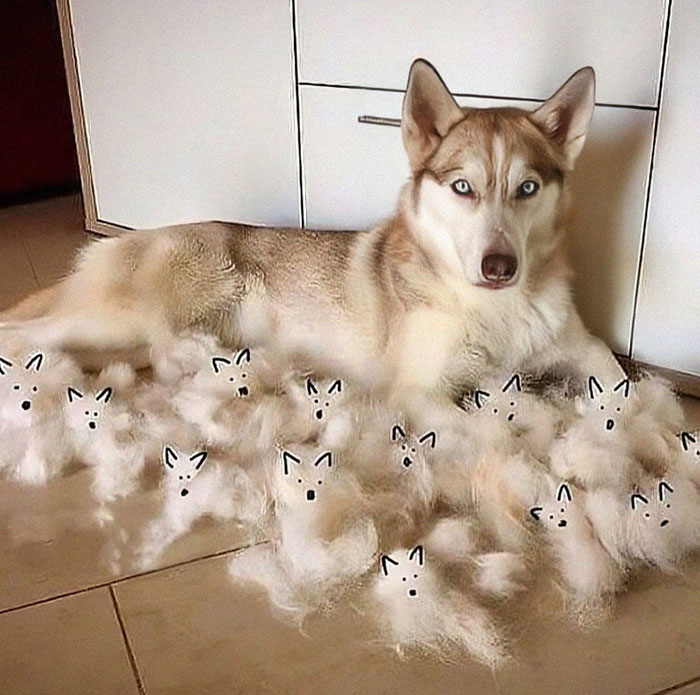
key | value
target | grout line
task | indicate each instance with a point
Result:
(129, 577)
(647, 200)
(127, 644)
(638, 107)
(300, 159)
(677, 686)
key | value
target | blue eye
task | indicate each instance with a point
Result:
(462, 187)
(527, 188)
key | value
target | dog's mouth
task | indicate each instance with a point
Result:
(243, 391)
(26, 405)
(319, 414)
(499, 268)
(406, 462)
(609, 424)
(664, 522)
(92, 425)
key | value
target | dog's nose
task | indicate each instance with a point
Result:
(310, 495)
(243, 391)
(562, 523)
(319, 414)
(412, 592)
(406, 461)
(26, 405)
(499, 267)
(91, 425)
(609, 424)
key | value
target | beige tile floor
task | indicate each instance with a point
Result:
(70, 625)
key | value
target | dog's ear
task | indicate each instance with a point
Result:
(243, 356)
(429, 437)
(623, 386)
(417, 555)
(4, 366)
(387, 560)
(397, 433)
(686, 440)
(514, 381)
(594, 387)
(169, 456)
(217, 363)
(480, 398)
(564, 492)
(636, 499)
(105, 394)
(326, 458)
(566, 115)
(535, 512)
(35, 362)
(287, 458)
(311, 389)
(428, 113)
(335, 387)
(664, 489)
(73, 394)
(198, 459)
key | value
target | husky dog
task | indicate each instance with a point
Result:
(468, 278)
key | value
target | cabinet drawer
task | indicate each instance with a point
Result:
(353, 173)
(667, 325)
(189, 110)
(518, 48)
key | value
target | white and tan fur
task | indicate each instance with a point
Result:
(413, 303)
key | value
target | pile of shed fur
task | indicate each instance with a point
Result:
(434, 519)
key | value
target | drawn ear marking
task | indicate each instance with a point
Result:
(35, 362)
(514, 380)
(325, 457)
(169, 456)
(429, 436)
(217, 362)
(564, 491)
(479, 397)
(625, 386)
(418, 550)
(73, 394)
(386, 561)
(397, 433)
(311, 389)
(686, 440)
(336, 387)
(535, 512)
(105, 394)
(200, 457)
(243, 356)
(664, 489)
(594, 383)
(287, 458)
(636, 498)
(4, 364)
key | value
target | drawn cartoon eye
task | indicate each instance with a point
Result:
(403, 446)
(646, 514)
(95, 414)
(668, 506)
(320, 482)
(35, 389)
(230, 378)
(551, 516)
(415, 576)
(602, 407)
(299, 481)
(404, 579)
(562, 510)
(462, 187)
(188, 477)
(495, 411)
(527, 189)
(316, 401)
(244, 376)
(618, 409)
(413, 449)
(512, 404)
(179, 476)
(327, 404)
(16, 387)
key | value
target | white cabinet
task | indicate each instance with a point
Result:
(667, 325)
(189, 110)
(353, 173)
(518, 48)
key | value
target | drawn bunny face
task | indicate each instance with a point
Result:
(235, 371)
(87, 412)
(502, 404)
(410, 449)
(19, 387)
(608, 407)
(404, 573)
(654, 511)
(554, 516)
(322, 396)
(183, 467)
(304, 481)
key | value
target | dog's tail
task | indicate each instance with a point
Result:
(36, 305)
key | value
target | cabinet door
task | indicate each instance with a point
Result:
(189, 110)
(353, 173)
(667, 322)
(519, 48)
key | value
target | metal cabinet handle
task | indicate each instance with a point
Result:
(379, 120)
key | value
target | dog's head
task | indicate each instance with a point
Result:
(234, 371)
(488, 183)
(404, 571)
(608, 405)
(86, 411)
(410, 449)
(182, 467)
(655, 510)
(20, 385)
(322, 396)
(554, 515)
(502, 404)
(302, 481)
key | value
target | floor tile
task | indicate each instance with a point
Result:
(50, 543)
(71, 646)
(17, 278)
